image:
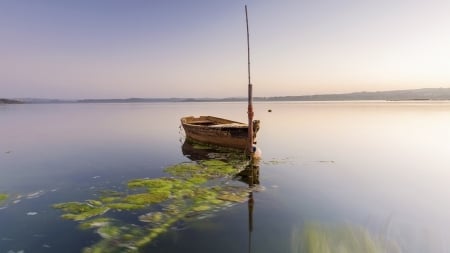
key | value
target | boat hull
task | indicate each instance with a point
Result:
(216, 131)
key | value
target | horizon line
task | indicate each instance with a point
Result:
(216, 98)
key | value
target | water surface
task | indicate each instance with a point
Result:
(376, 169)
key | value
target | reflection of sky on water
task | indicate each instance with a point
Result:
(375, 165)
(56, 140)
(381, 165)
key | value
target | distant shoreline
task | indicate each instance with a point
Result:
(426, 94)
(10, 101)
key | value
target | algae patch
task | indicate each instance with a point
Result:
(184, 170)
(3, 197)
(95, 223)
(192, 190)
(326, 238)
(79, 211)
(207, 169)
(153, 217)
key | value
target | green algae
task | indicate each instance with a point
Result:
(108, 246)
(94, 202)
(205, 195)
(193, 189)
(3, 197)
(205, 169)
(184, 193)
(172, 209)
(231, 197)
(147, 198)
(153, 217)
(95, 223)
(213, 163)
(79, 211)
(180, 184)
(109, 199)
(85, 215)
(108, 232)
(75, 207)
(198, 180)
(326, 238)
(184, 169)
(155, 232)
(108, 196)
(124, 206)
(157, 183)
(201, 208)
(219, 168)
(117, 238)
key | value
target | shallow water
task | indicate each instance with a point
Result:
(376, 170)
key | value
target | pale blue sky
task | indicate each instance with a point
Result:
(167, 48)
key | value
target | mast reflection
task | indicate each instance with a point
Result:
(248, 175)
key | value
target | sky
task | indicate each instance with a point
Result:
(177, 48)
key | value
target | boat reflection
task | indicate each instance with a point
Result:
(201, 152)
(196, 152)
(248, 168)
(249, 173)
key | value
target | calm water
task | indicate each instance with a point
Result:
(346, 173)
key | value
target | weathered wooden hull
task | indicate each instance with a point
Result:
(216, 131)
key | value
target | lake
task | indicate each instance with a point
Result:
(334, 177)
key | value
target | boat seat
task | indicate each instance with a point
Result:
(201, 122)
(229, 125)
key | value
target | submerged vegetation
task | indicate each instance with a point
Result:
(3, 197)
(322, 238)
(81, 211)
(191, 189)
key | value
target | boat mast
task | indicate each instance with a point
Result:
(250, 105)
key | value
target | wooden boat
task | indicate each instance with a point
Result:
(218, 131)
(224, 132)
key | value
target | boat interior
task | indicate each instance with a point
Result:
(212, 122)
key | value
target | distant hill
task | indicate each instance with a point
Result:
(131, 100)
(393, 95)
(44, 101)
(9, 101)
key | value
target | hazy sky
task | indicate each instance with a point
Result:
(181, 48)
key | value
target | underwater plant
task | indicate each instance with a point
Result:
(329, 238)
(192, 189)
(3, 197)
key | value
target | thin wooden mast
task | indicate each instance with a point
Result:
(250, 91)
